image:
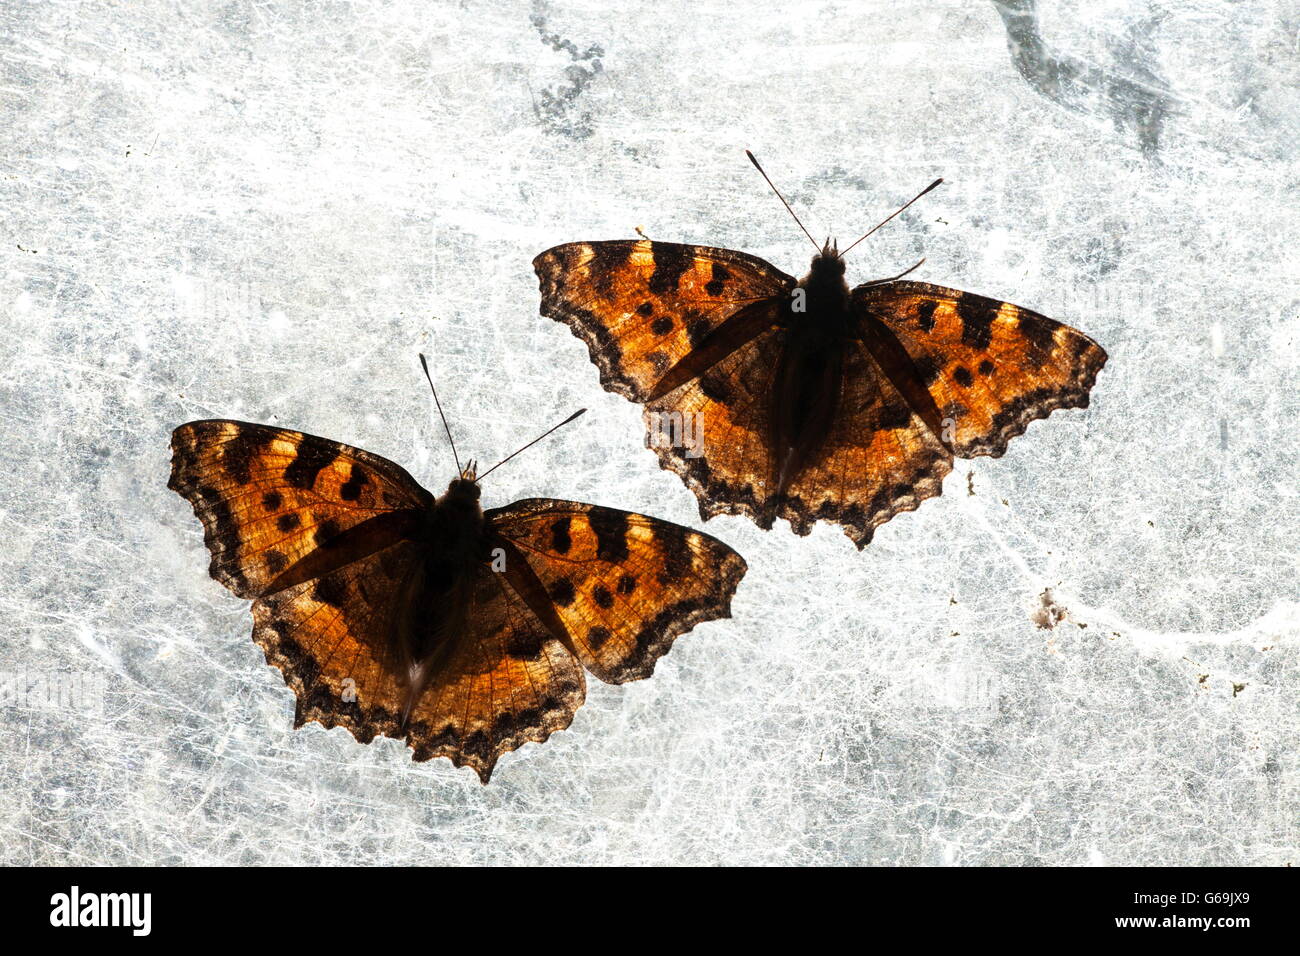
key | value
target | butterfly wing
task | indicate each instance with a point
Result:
(502, 681)
(332, 638)
(642, 307)
(269, 497)
(878, 459)
(582, 586)
(990, 367)
(934, 372)
(619, 588)
(318, 534)
(507, 680)
(728, 460)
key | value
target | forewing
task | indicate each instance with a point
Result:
(269, 497)
(642, 306)
(623, 586)
(991, 367)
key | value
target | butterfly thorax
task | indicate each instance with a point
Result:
(806, 389)
(458, 529)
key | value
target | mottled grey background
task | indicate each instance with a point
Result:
(264, 210)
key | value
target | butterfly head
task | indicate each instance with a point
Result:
(826, 275)
(466, 486)
(828, 261)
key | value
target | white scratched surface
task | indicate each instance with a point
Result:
(264, 210)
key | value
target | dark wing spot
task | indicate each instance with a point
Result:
(287, 522)
(275, 561)
(600, 594)
(1081, 345)
(672, 539)
(671, 261)
(662, 325)
(325, 530)
(925, 314)
(894, 415)
(986, 367)
(329, 590)
(658, 361)
(308, 463)
(714, 387)
(977, 314)
(281, 627)
(524, 646)
(645, 309)
(1040, 336)
(610, 528)
(626, 584)
(963, 376)
(477, 744)
(350, 490)
(562, 592)
(597, 637)
(718, 279)
(608, 258)
(698, 329)
(505, 725)
(237, 454)
(560, 540)
(272, 500)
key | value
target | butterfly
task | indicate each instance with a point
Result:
(804, 399)
(391, 612)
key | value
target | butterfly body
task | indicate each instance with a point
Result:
(463, 631)
(453, 548)
(806, 386)
(815, 401)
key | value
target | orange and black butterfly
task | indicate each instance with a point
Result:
(805, 399)
(392, 612)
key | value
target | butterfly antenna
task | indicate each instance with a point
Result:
(425, 365)
(782, 198)
(905, 272)
(531, 443)
(893, 214)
